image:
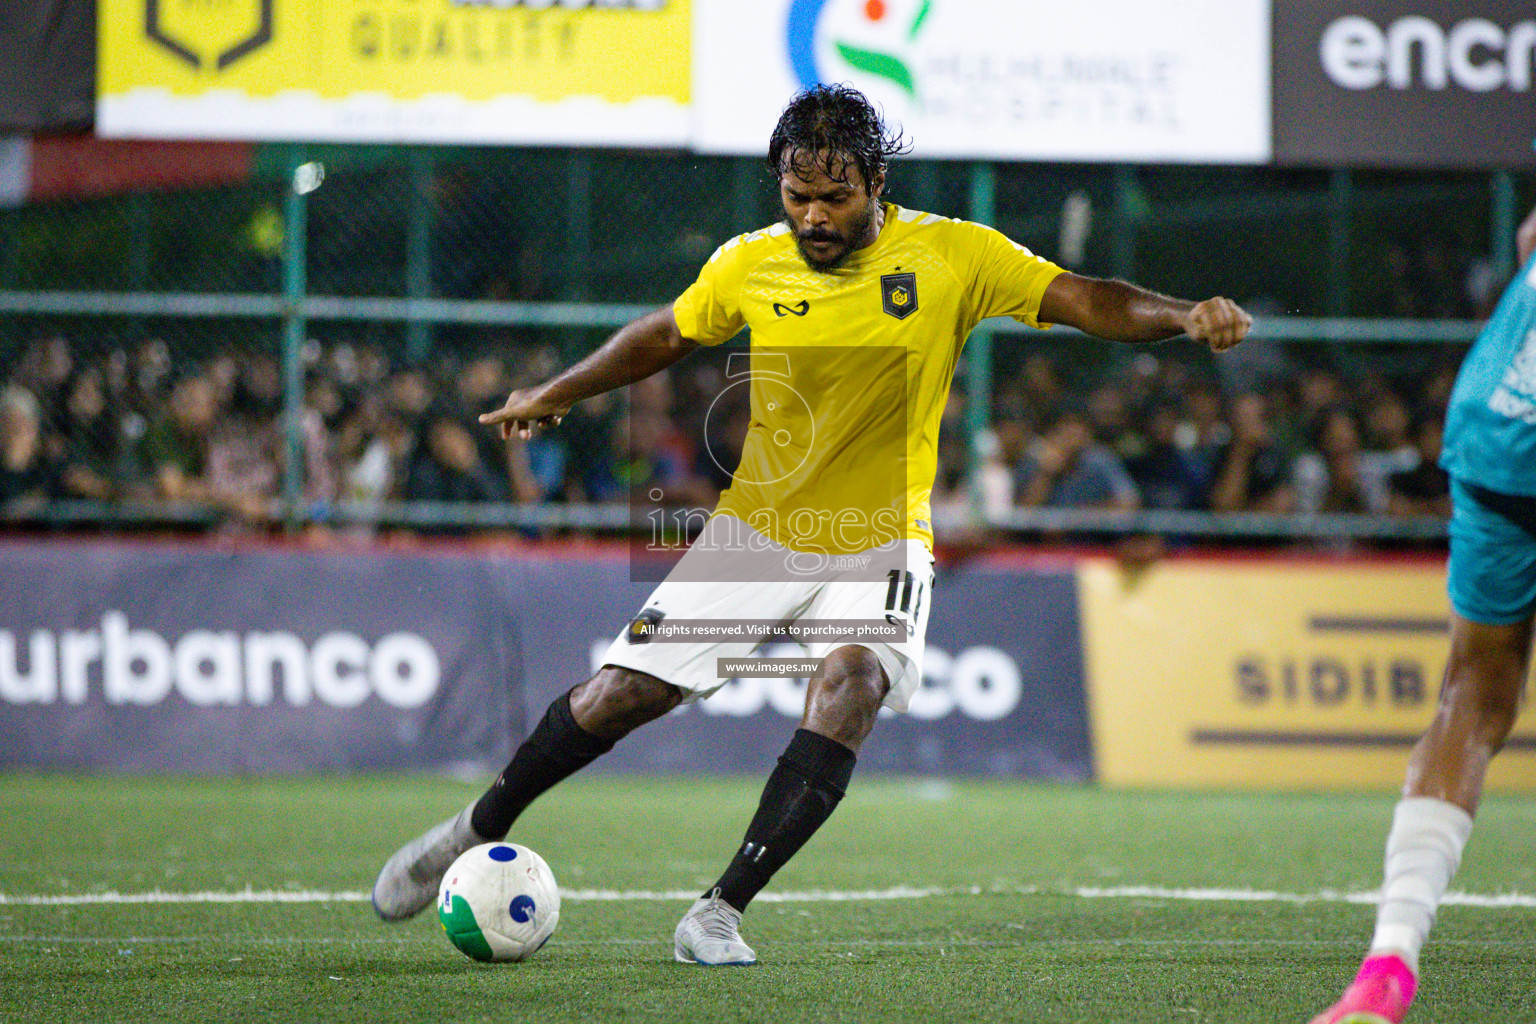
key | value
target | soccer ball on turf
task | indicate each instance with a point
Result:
(499, 902)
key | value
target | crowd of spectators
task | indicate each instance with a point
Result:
(1157, 436)
(136, 425)
(143, 425)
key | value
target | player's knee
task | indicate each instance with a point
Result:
(852, 677)
(617, 700)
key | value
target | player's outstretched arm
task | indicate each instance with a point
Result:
(1124, 312)
(638, 349)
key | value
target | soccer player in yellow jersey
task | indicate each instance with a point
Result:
(858, 311)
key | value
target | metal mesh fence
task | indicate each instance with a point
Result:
(165, 363)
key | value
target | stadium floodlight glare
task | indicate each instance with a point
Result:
(307, 177)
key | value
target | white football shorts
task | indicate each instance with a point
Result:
(890, 585)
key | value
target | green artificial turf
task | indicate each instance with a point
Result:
(1011, 939)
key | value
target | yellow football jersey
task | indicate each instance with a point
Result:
(849, 371)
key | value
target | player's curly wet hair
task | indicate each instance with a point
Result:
(830, 128)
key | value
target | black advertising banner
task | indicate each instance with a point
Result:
(1405, 83)
(47, 64)
(123, 657)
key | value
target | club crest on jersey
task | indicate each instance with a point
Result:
(898, 294)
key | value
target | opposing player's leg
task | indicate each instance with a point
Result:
(1493, 590)
(812, 775)
(579, 727)
(1431, 824)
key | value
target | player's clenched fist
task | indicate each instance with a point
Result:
(1220, 323)
(522, 409)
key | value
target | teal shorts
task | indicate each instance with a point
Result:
(1492, 575)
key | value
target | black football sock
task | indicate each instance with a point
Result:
(801, 794)
(557, 748)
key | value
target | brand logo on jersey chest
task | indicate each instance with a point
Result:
(799, 309)
(898, 294)
(643, 626)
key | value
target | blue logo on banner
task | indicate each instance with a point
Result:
(800, 38)
(895, 67)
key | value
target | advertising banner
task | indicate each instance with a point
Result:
(572, 72)
(1001, 79)
(1260, 675)
(1405, 83)
(74, 166)
(178, 659)
(183, 659)
(47, 66)
(1002, 691)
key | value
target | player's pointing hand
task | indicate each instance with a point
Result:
(1220, 323)
(522, 409)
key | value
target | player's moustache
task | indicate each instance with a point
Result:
(819, 235)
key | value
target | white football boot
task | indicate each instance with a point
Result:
(708, 934)
(408, 883)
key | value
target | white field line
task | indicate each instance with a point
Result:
(1142, 892)
(949, 942)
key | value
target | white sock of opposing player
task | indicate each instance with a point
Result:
(1423, 851)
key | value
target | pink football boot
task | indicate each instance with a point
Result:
(1380, 994)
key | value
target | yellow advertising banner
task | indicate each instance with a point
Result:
(493, 71)
(1265, 675)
